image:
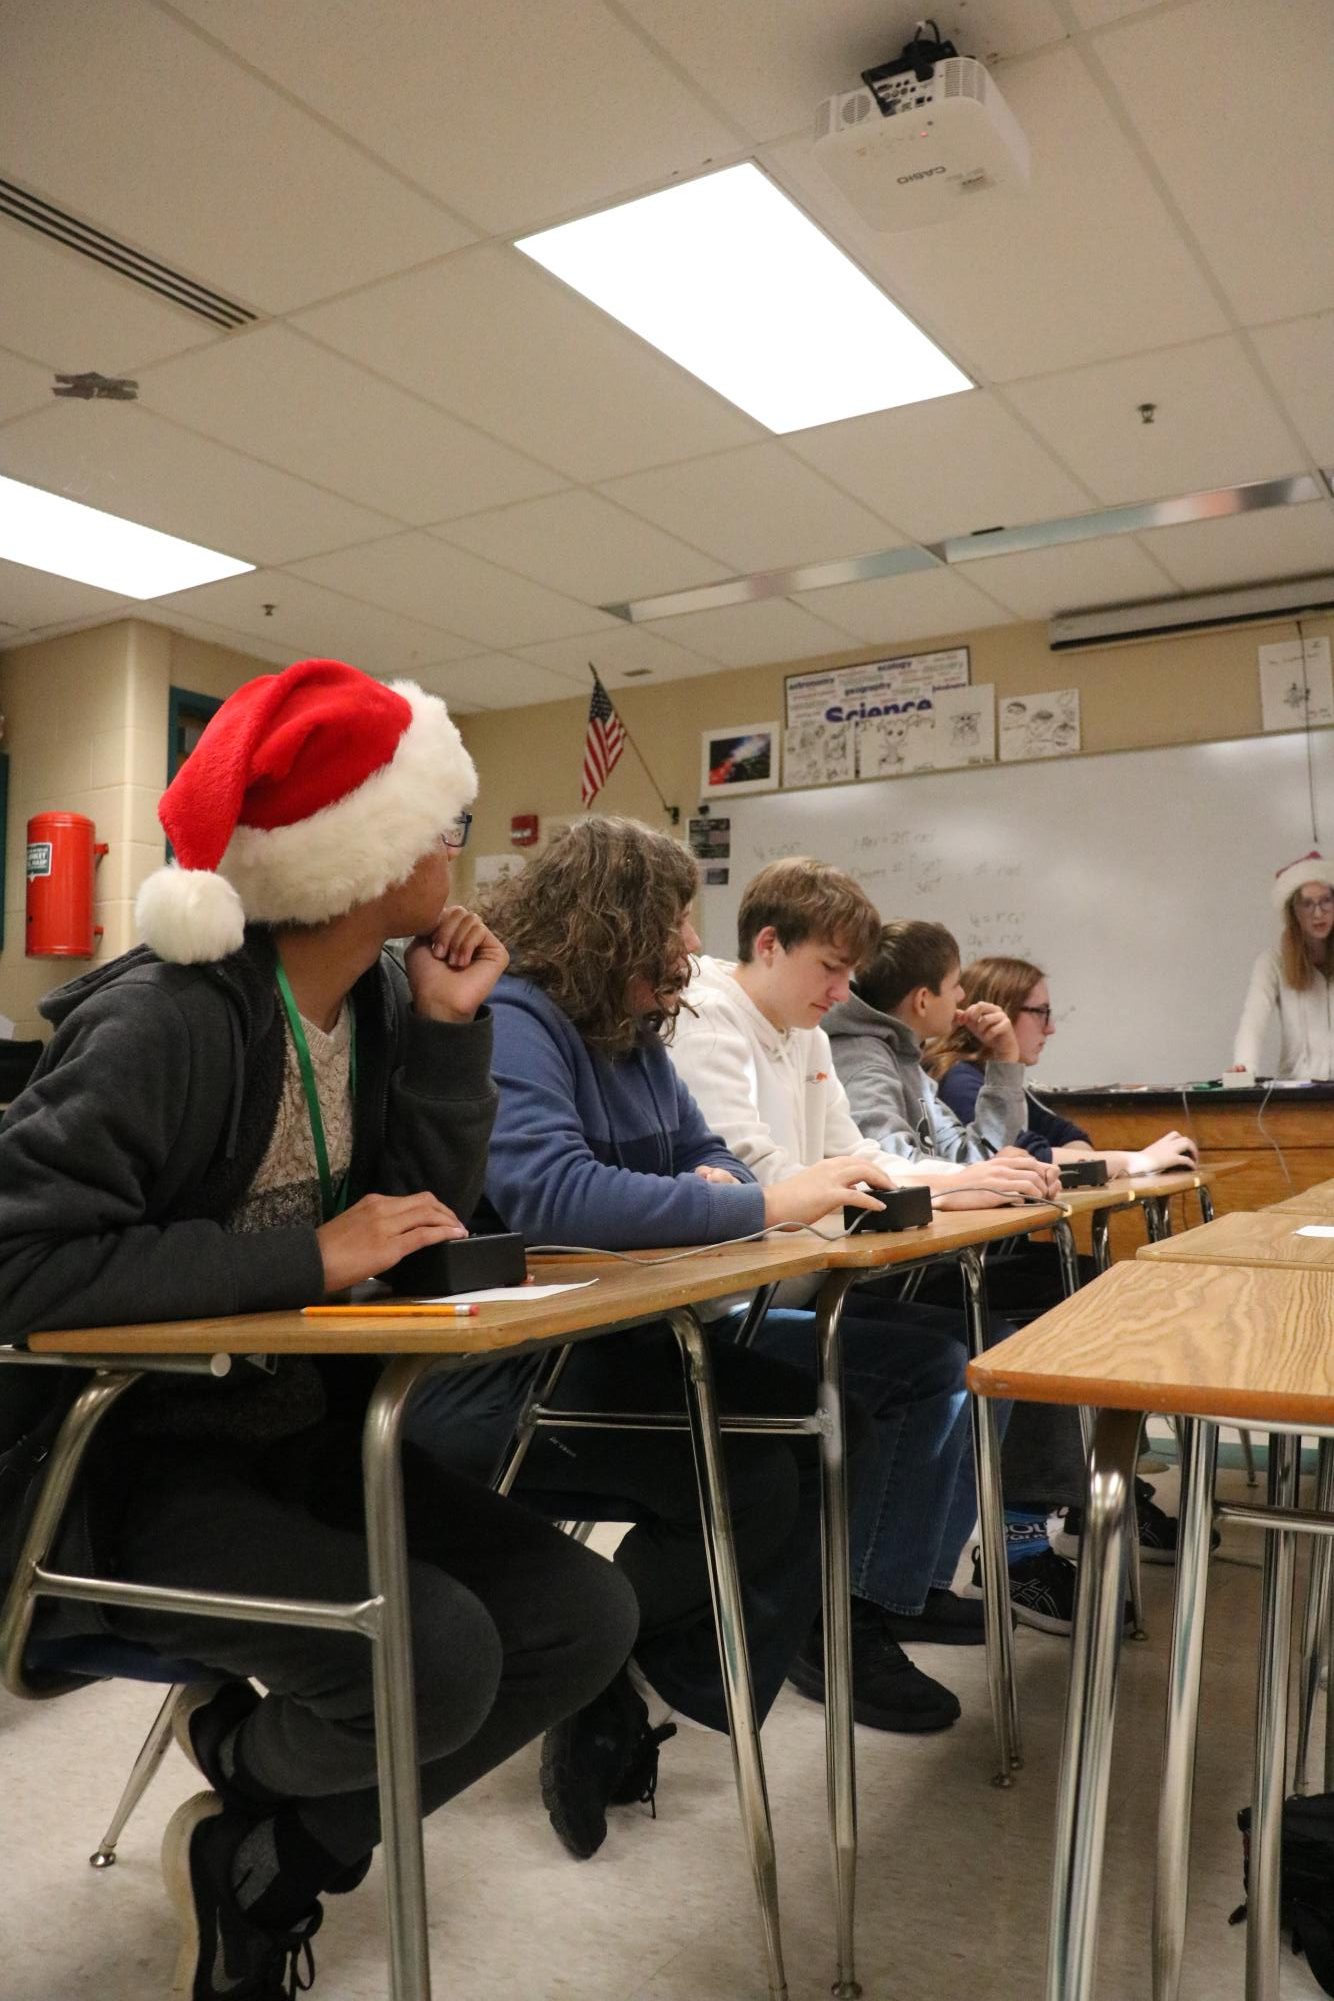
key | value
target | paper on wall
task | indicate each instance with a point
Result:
(1039, 725)
(1296, 686)
(487, 869)
(819, 753)
(959, 729)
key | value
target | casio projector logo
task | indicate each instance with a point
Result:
(924, 174)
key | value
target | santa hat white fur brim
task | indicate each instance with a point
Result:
(321, 867)
(1311, 868)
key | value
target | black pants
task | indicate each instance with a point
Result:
(1042, 1459)
(514, 1626)
(648, 1478)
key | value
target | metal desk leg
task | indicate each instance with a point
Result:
(1069, 1258)
(1315, 1620)
(1065, 1245)
(1157, 1218)
(725, 1589)
(839, 1753)
(1206, 1205)
(1271, 1727)
(1176, 1791)
(395, 1695)
(1095, 1652)
(1100, 1225)
(991, 1527)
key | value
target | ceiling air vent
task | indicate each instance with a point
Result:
(146, 272)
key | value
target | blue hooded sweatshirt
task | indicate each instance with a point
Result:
(585, 1150)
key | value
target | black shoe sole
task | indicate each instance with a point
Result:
(809, 1681)
(580, 1842)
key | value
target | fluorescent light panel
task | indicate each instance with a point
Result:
(66, 539)
(729, 278)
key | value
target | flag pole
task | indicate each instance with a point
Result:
(673, 812)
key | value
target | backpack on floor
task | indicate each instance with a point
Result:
(1306, 1883)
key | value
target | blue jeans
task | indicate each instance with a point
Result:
(464, 1420)
(916, 1501)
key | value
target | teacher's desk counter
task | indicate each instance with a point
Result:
(1290, 1135)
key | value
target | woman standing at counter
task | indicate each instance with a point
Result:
(1295, 977)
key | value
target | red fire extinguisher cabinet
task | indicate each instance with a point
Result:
(63, 853)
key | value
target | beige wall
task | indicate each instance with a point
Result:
(1183, 690)
(86, 720)
(86, 729)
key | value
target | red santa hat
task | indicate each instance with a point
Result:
(1307, 868)
(310, 792)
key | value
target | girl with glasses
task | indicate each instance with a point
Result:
(956, 1061)
(1295, 978)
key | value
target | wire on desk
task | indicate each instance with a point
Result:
(1266, 1134)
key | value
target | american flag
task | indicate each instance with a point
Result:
(603, 744)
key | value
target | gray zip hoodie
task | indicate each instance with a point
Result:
(894, 1101)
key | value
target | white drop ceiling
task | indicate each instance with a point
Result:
(443, 462)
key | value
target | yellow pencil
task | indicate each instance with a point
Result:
(399, 1309)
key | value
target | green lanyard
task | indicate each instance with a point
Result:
(333, 1200)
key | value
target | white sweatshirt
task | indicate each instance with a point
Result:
(1306, 1022)
(772, 1094)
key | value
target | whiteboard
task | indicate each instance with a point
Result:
(1138, 879)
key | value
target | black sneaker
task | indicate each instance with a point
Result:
(1042, 1591)
(223, 1956)
(888, 1692)
(604, 1755)
(1157, 1532)
(206, 1712)
(944, 1621)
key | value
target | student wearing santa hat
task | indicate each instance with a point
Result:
(1295, 977)
(253, 1110)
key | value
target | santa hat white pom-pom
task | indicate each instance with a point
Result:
(189, 916)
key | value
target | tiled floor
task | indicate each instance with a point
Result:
(954, 1875)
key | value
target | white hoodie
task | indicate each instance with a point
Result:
(771, 1093)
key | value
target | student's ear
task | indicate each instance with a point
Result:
(766, 943)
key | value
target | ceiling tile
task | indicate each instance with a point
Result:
(70, 314)
(944, 467)
(759, 509)
(1299, 359)
(499, 681)
(1084, 264)
(1246, 548)
(31, 599)
(307, 621)
(1077, 576)
(425, 578)
(752, 635)
(23, 387)
(488, 335)
(891, 610)
(1215, 425)
(126, 117)
(278, 395)
(516, 110)
(123, 458)
(772, 68)
(580, 543)
(1243, 143)
(616, 653)
(174, 619)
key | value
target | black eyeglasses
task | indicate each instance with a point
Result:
(1043, 1014)
(455, 835)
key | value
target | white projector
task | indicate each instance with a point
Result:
(933, 148)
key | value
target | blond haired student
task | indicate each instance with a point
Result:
(1294, 978)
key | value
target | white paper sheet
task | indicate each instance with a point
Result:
(494, 1294)
(1296, 689)
(1044, 725)
(1315, 1230)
